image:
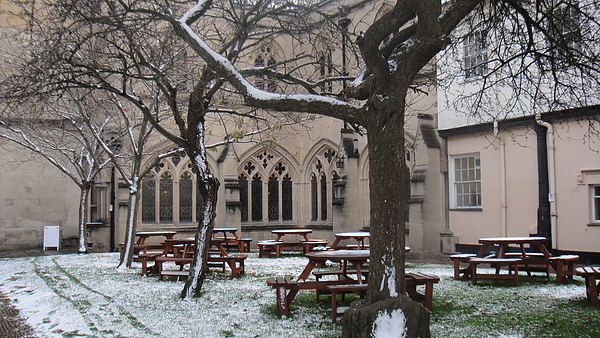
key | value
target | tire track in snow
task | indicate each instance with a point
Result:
(98, 310)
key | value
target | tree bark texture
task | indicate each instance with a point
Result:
(360, 320)
(387, 172)
(130, 229)
(83, 203)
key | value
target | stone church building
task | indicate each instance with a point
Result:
(310, 176)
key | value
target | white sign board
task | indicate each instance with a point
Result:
(52, 237)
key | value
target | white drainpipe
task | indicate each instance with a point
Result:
(503, 205)
(551, 176)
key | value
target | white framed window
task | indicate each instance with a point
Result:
(465, 181)
(475, 55)
(565, 23)
(595, 203)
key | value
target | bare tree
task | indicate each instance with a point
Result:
(394, 49)
(123, 137)
(122, 48)
(57, 133)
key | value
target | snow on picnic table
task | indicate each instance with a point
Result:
(86, 296)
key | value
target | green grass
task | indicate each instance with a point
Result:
(462, 309)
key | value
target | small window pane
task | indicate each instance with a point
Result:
(313, 198)
(467, 181)
(166, 199)
(273, 198)
(323, 198)
(287, 200)
(186, 201)
(149, 199)
(243, 197)
(257, 205)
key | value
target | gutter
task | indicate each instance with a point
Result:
(551, 175)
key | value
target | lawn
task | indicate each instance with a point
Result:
(86, 296)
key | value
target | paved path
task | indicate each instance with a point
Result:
(11, 324)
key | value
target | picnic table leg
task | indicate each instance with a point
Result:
(277, 250)
(559, 271)
(481, 251)
(335, 243)
(282, 304)
(233, 267)
(429, 296)
(333, 306)
(592, 289)
(158, 266)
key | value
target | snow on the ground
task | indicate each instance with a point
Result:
(86, 296)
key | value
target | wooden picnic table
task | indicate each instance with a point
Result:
(351, 278)
(268, 247)
(230, 237)
(282, 232)
(525, 256)
(140, 245)
(591, 274)
(347, 258)
(181, 252)
(225, 231)
(142, 236)
(523, 242)
(532, 254)
(358, 236)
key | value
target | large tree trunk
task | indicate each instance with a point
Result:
(387, 169)
(130, 228)
(207, 187)
(208, 190)
(386, 296)
(83, 201)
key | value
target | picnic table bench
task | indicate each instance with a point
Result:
(231, 240)
(352, 280)
(512, 265)
(541, 261)
(140, 245)
(591, 274)
(269, 248)
(180, 252)
(413, 279)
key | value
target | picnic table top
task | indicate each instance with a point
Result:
(291, 231)
(155, 233)
(337, 255)
(516, 240)
(225, 230)
(358, 234)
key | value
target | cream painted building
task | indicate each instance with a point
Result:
(520, 166)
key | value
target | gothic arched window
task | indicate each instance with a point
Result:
(286, 198)
(273, 198)
(257, 198)
(314, 198)
(243, 197)
(166, 198)
(326, 70)
(186, 200)
(149, 199)
(323, 197)
(169, 195)
(265, 57)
